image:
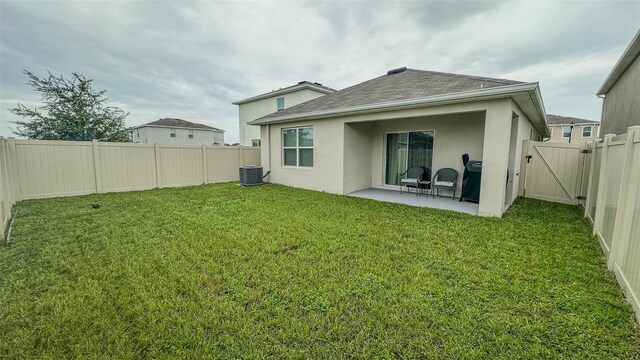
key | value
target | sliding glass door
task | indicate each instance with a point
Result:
(405, 150)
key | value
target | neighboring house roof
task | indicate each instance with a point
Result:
(627, 58)
(566, 120)
(178, 123)
(411, 88)
(289, 89)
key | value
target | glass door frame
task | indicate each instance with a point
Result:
(384, 153)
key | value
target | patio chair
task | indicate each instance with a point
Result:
(445, 178)
(412, 178)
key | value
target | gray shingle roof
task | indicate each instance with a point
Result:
(563, 120)
(409, 84)
(179, 123)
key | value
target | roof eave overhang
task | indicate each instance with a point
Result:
(531, 89)
(576, 123)
(539, 121)
(628, 57)
(284, 92)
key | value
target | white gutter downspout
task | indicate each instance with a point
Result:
(269, 147)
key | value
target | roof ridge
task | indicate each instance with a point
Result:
(177, 122)
(568, 118)
(496, 80)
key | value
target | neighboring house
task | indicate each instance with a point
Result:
(264, 104)
(367, 135)
(565, 129)
(176, 131)
(621, 92)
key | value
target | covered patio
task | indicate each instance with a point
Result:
(372, 134)
(427, 201)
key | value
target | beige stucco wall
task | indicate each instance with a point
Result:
(525, 131)
(482, 129)
(621, 105)
(327, 170)
(495, 157)
(259, 108)
(576, 137)
(358, 152)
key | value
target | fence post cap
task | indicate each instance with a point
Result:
(633, 128)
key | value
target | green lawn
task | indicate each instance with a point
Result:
(228, 272)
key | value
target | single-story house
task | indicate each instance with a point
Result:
(177, 131)
(367, 135)
(566, 129)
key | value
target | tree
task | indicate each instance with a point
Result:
(72, 111)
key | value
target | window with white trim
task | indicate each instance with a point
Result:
(297, 147)
(280, 103)
(566, 131)
(256, 142)
(190, 134)
(173, 132)
(586, 131)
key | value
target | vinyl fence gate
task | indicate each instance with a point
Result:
(555, 172)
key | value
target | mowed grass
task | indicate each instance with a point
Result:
(221, 271)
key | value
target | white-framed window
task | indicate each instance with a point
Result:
(566, 131)
(190, 134)
(280, 103)
(256, 142)
(173, 132)
(297, 147)
(586, 131)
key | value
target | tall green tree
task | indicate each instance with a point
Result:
(72, 110)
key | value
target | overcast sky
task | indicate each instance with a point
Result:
(191, 60)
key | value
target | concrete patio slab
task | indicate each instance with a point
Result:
(438, 202)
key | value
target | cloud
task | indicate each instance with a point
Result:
(193, 59)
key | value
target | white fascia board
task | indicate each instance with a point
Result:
(542, 112)
(628, 57)
(473, 95)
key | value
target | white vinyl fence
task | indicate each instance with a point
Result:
(33, 169)
(614, 207)
(607, 174)
(7, 187)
